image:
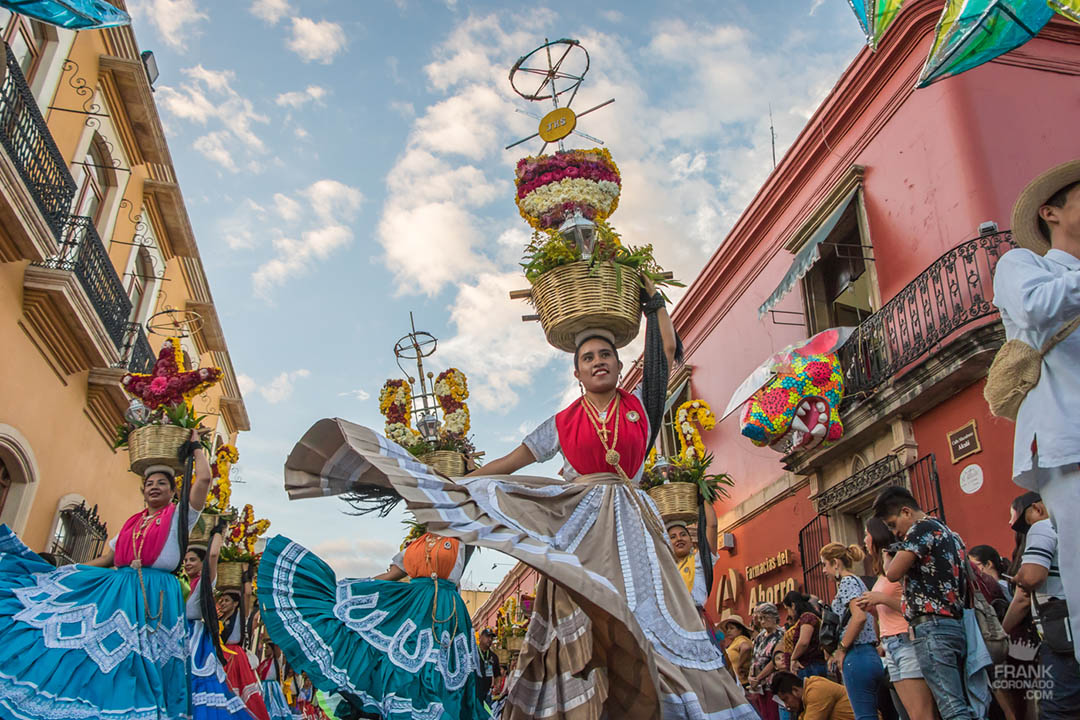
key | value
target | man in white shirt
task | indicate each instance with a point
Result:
(1037, 289)
(1039, 577)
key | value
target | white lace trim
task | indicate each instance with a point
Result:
(25, 701)
(452, 657)
(687, 707)
(43, 610)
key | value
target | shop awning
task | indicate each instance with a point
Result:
(70, 14)
(806, 257)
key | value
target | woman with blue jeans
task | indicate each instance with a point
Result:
(856, 654)
(884, 600)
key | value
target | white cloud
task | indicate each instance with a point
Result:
(404, 109)
(270, 10)
(815, 5)
(687, 174)
(356, 557)
(316, 40)
(207, 98)
(277, 390)
(360, 394)
(316, 225)
(299, 98)
(174, 20)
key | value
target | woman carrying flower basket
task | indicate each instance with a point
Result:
(84, 641)
(614, 632)
(211, 696)
(399, 650)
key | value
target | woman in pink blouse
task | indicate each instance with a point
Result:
(884, 600)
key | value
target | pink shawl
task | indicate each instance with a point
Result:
(156, 536)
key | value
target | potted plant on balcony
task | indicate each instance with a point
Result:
(582, 275)
(674, 484)
(161, 415)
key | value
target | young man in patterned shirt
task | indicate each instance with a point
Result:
(929, 560)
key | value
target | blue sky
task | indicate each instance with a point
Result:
(343, 164)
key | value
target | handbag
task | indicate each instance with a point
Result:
(997, 642)
(831, 625)
(1016, 369)
(1052, 621)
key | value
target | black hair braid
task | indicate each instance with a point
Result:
(655, 371)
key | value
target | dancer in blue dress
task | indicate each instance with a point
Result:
(402, 651)
(80, 642)
(211, 696)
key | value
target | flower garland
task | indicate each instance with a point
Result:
(511, 620)
(245, 532)
(690, 412)
(451, 392)
(552, 187)
(221, 491)
(395, 403)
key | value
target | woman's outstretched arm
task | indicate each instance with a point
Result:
(519, 457)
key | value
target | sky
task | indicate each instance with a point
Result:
(343, 165)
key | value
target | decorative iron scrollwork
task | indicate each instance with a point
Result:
(953, 291)
(870, 476)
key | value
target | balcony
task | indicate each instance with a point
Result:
(955, 290)
(136, 355)
(33, 168)
(936, 337)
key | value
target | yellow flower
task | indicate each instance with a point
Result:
(690, 412)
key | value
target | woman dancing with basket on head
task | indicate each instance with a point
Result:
(85, 641)
(211, 696)
(400, 650)
(614, 632)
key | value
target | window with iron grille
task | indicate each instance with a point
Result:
(80, 535)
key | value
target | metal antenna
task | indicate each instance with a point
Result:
(772, 135)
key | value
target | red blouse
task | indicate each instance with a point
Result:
(581, 444)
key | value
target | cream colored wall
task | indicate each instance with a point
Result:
(47, 409)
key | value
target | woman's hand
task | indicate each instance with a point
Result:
(796, 666)
(870, 598)
(649, 285)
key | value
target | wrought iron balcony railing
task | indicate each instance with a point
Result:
(29, 144)
(80, 536)
(82, 252)
(136, 356)
(954, 291)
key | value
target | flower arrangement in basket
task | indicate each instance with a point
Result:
(582, 275)
(450, 447)
(217, 500)
(238, 553)
(512, 623)
(161, 415)
(674, 484)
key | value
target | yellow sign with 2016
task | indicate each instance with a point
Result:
(557, 124)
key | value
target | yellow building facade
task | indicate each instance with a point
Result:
(95, 241)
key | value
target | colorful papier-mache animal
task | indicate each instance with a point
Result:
(791, 402)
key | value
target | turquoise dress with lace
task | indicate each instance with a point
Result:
(80, 642)
(400, 650)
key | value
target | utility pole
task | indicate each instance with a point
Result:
(772, 136)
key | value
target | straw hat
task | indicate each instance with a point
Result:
(737, 619)
(1025, 215)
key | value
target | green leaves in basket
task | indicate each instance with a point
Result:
(547, 251)
(710, 485)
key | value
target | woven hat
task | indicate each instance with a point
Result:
(1025, 215)
(737, 619)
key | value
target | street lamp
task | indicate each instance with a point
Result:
(581, 231)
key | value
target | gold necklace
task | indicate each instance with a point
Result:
(611, 455)
(140, 533)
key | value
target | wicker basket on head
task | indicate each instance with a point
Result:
(503, 654)
(575, 297)
(676, 501)
(231, 575)
(514, 643)
(448, 462)
(156, 445)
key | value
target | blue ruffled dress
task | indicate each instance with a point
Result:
(376, 640)
(211, 696)
(76, 642)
